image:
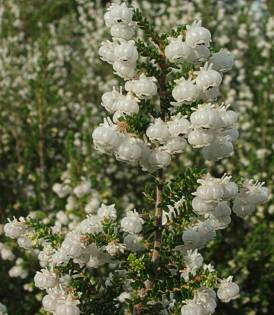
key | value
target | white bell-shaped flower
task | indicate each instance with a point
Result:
(254, 192)
(185, 92)
(15, 228)
(201, 206)
(231, 134)
(129, 151)
(242, 208)
(144, 88)
(200, 138)
(45, 279)
(191, 238)
(132, 223)
(125, 71)
(126, 52)
(118, 14)
(49, 303)
(106, 138)
(106, 51)
(196, 35)
(178, 126)
(220, 223)
(109, 100)
(67, 307)
(159, 159)
(61, 190)
(107, 212)
(72, 245)
(122, 31)
(228, 290)
(208, 78)
(177, 50)
(192, 308)
(193, 260)
(127, 104)
(210, 94)
(230, 190)
(218, 150)
(158, 131)
(92, 224)
(206, 232)
(207, 298)
(228, 117)
(222, 209)
(24, 242)
(222, 61)
(93, 205)
(205, 116)
(51, 300)
(199, 54)
(3, 309)
(134, 242)
(175, 145)
(210, 191)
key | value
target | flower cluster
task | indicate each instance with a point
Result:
(212, 204)
(122, 52)
(211, 126)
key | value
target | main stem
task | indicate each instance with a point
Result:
(158, 218)
(160, 177)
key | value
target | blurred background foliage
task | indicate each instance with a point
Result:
(51, 81)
